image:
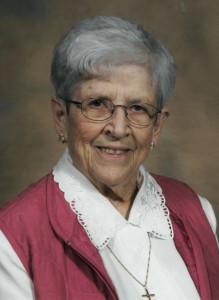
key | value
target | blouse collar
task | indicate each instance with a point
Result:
(148, 212)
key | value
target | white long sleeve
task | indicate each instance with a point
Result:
(15, 283)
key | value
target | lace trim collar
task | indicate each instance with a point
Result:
(148, 211)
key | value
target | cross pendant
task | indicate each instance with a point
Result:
(148, 295)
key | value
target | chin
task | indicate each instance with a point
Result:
(109, 179)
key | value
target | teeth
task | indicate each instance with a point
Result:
(112, 151)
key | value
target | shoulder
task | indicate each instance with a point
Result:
(24, 220)
(184, 202)
(26, 205)
(176, 189)
(165, 180)
(180, 198)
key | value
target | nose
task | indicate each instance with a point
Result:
(118, 125)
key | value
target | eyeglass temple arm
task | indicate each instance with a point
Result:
(71, 101)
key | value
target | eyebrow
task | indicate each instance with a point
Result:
(133, 101)
(128, 101)
(98, 97)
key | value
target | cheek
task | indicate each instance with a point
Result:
(143, 139)
(78, 144)
(143, 149)
(81, 133)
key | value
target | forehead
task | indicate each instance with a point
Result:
(124, 82)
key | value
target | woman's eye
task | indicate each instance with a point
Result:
(96, 103)
(137, 108)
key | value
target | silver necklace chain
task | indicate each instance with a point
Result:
(148, 295)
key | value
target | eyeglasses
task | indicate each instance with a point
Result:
(102, 109)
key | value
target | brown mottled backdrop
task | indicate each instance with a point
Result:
(189, 146)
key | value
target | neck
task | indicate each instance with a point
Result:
(121, 200)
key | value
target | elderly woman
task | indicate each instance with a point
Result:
(100, 226)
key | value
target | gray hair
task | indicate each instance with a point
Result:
(96, 45)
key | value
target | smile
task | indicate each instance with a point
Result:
(113, 151)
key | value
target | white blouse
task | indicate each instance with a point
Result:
(168, 277)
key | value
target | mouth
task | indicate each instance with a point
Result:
(113, 151)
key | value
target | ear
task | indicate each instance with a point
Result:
(159, 124)
(59, 116)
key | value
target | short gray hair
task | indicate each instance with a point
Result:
(96, 45)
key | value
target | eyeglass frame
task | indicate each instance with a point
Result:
(158, 111)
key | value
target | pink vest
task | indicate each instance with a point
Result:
(193, 236)
(63, 263)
